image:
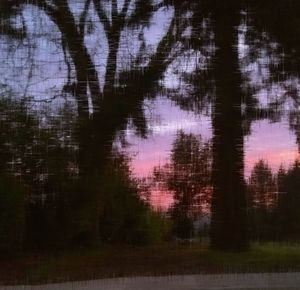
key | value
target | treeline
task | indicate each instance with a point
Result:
(45, 203)
(274, 201)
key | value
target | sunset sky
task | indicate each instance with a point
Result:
(272, 142)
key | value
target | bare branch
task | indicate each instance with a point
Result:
(159, 5)
(102, 16)
(83, 16)
(114, 9)
(125, 9)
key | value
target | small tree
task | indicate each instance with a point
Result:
(124, 217)
(262, 186)
(262, 201)
(187, 175)
(289, 203)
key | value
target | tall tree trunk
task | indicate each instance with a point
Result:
(229, 214)
(95, 146)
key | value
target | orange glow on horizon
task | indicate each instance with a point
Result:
(274, 158)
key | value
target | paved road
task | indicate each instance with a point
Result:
(282, 281)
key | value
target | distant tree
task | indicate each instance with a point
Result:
(262, 186)
(289, 203)
(188, 177)
(262, 201)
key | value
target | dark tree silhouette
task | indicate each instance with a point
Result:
(230, 122)
(262, 186)
(229, 229)
(124, 92)
(188, 177)
(288, 203)
(262, 202)
(81, 203)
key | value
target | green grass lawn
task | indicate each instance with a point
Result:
(165, 259)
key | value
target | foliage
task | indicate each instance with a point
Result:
(274, 201)
(187, 176)
(262, 186)
(288, 214)
(262, 202)
(12, 217)
(124, 217)
(104, 204)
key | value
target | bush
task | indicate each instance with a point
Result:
(11, 216)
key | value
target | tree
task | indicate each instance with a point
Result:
(124, 91)
(262, 202)
(288, 203)
(124, 216)
(133, 15)
(234, 104)
(226, 97)
(229, 213)
(262, 186)
(81, 197)
(188, 177)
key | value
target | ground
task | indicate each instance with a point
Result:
(167, 259)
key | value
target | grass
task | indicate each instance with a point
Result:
(168, 259)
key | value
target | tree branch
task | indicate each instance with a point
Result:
(102, 16)
(159, 5)
(83, 15)
(114, 9)
(125, 9)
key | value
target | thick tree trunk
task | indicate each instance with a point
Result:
(229, 213)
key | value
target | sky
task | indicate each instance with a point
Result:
(45, 74)
(272, 142)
